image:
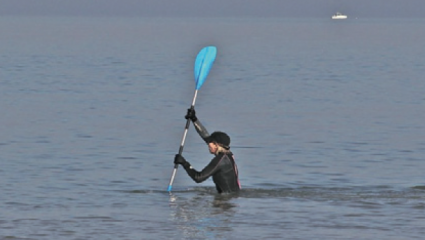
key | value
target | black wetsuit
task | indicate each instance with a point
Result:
(222, 168)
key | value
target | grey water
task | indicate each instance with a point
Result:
(326, 120)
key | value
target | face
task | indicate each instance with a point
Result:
(212, 146)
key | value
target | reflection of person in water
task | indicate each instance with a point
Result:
(197, 215)
(203, 216)
(222, 167)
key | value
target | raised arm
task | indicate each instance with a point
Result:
(202, 131)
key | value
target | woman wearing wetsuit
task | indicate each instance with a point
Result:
(222, 167)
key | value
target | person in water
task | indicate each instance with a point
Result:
(222, 167)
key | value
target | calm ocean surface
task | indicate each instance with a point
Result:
(326, 119)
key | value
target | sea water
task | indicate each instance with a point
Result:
(326, 120)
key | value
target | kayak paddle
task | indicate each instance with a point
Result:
(203, 63)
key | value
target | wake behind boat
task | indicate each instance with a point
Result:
(339, 16)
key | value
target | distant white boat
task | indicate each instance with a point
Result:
(339, 16)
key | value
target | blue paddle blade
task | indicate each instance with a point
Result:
(203, 64)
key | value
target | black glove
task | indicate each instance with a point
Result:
(179, 159)
(191, 114)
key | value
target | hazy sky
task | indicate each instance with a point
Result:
(216, 8)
